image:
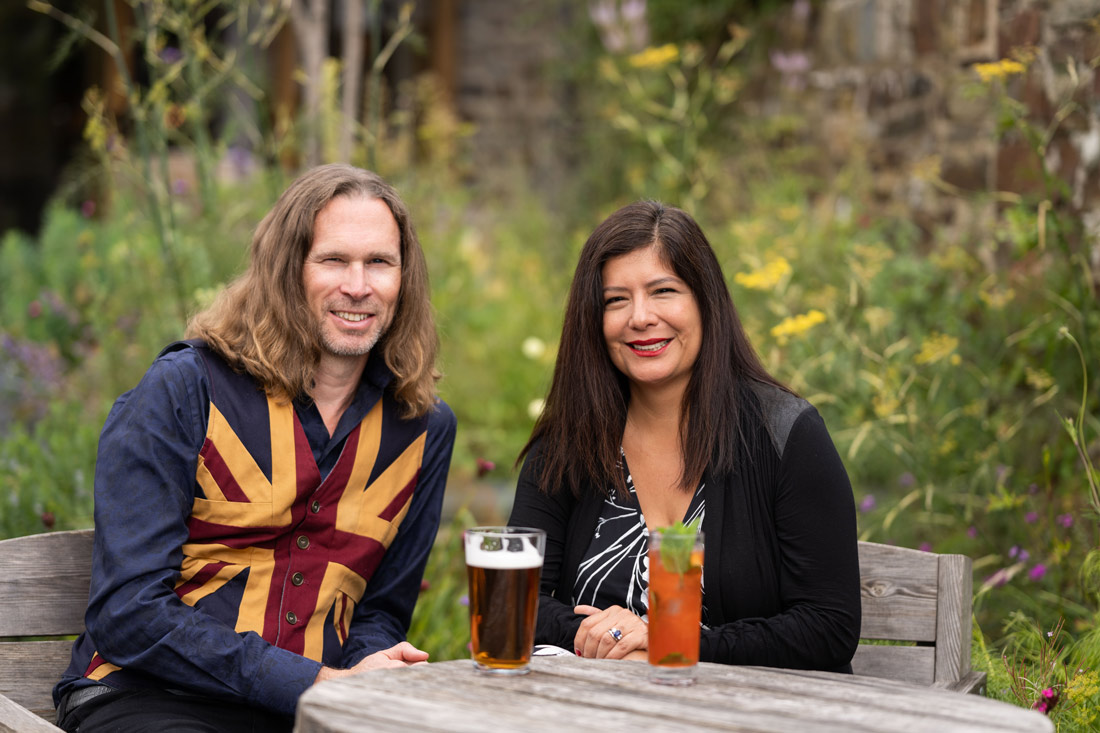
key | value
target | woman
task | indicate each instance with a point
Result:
(660, 411)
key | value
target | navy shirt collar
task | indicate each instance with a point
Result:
(326, 450)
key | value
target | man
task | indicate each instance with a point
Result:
(266, 497)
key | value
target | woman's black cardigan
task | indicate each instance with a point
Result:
(781, 569)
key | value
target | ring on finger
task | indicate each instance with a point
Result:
(616, 634)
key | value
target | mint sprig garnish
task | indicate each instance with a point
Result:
(677, 542)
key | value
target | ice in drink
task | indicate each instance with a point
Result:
(675, 606)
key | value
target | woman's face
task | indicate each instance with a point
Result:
(651, 321)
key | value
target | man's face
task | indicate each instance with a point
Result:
(352, 274)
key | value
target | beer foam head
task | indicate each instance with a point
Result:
(514, 553)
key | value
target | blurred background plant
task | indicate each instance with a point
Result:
(956, 366)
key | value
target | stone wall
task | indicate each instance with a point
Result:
(505, 84)
(894, 80)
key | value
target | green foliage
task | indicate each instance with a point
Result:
(441, 621)
(957, 370)
(1046, 670)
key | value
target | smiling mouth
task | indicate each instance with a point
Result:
(648, 346)
(353, 317)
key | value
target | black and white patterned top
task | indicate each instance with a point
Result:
(615, 568)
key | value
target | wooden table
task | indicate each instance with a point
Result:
(567, 694)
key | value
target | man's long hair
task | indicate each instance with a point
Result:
(261, 323)
(580, 430)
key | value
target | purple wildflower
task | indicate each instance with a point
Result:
(998, 578)
(241, 161)
(1066, 520)
(170, 55)
(867, 504)
(1037, 572)
(906, 480)
(972, 532)
(1013, 551)
(1024, 555)
(464, 601)
(622, 27)
(925, 547)
(1031, 517)
(792, 63)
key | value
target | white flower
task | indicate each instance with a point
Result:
(534, 408)
(533, 347)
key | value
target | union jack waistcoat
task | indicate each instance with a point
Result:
(272, 547)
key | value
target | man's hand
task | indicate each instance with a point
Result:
(593, 639)
(400, 655)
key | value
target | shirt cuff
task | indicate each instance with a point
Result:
(282, 678)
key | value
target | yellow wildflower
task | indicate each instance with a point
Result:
(877, 318)
(952, 257)
(824, 298)
(95, 132)
(997, 298)
(974, 409)
(928, 168)
(789, 213)
(1083, 686)
(869, 260)
(749, 231)
(885, 405)
(766, 277)
(1038, 379)
(936, 347)
(999, 69)
(795, 325)
(655, 57)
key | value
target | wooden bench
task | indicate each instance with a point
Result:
(908, 596)
(914, 596)
(44, 581)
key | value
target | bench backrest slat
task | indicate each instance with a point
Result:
(44, 582)
(922, 598)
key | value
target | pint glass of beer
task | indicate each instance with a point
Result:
(675, 605)
(503, 565)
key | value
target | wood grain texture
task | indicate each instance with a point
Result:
(910, 595)
(953, 625)
(17, 719)
(44, 583)
(899, 588)
(29, 670)
(601, 695)
(914, 664)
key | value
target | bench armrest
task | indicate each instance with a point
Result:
(15, 718)
(973, 682)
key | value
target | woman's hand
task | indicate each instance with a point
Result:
(594, 638)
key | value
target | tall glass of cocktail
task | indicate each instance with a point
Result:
(675, 604)
(504, 566)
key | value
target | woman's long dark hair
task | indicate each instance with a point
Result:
(581, 426)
